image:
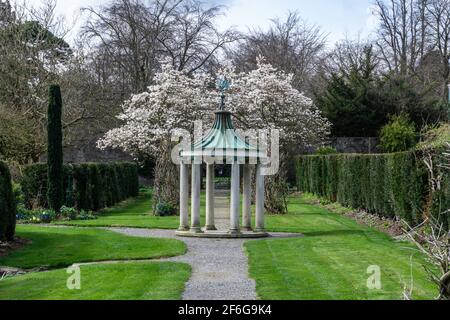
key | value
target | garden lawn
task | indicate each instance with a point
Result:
(331, 260)
(133, 213)
(122, 281)
(54, 247)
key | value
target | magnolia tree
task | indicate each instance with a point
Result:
(265, 99)
(173, 102)
(261, 99)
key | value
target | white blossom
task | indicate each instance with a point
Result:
(261, 99)
(174, 101)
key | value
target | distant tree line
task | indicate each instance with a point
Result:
(357, 84)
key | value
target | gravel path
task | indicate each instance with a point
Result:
(219, 266)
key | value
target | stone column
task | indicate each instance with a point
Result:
(235, 199)
(247, 199)
(195, 200)
(184, 197)
(210, 223)
(259, 200)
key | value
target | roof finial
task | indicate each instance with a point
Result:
(223, 85)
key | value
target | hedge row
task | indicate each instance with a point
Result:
(7, 205)
(389, 185)
(87, 186)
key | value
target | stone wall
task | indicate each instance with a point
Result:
(356, 145)
(88, 152)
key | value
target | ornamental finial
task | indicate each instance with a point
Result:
(223, 84)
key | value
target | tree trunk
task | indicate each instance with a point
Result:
(276, 189)
(166, 179)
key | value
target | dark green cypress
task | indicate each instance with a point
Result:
(7, 205)
(55, 191)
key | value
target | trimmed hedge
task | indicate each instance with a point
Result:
(7, 205)
(389, 185)
(87, 186)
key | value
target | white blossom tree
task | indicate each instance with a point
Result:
(173, 102)
(265, 98)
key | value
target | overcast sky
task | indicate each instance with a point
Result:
(337, 18)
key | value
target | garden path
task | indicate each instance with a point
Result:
(219, 266)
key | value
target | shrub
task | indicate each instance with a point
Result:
(55, 191)
(398, 135)
(47, 216)
(165, 209)
(69, 213)
(35, 216)
(433, 137)
(7, 205)
(86, 215)
(389, 185)
(88, 186)
(18, 194)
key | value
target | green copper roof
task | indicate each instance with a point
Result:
(222, 141)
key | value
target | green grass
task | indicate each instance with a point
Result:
(59, 247)
(134, 213)
(124, 281)
(331, 260)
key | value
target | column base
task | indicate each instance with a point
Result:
(260, 230)
(210, 228)
(247, 229)
(234, 232)
(196, 230)
(222, 235)
(183, 229)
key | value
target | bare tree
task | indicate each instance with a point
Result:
(402, 33)
(193, 38)
(348, 55)
(432, 238)
(32, 51)
(34, 54)
(438, 17)
(126, 41)
(132, 36)
(290, 45)
(435, 245)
